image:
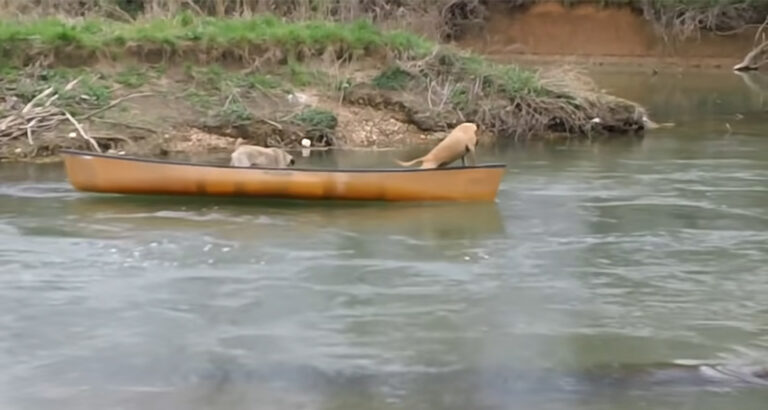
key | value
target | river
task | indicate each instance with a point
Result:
(612, 255)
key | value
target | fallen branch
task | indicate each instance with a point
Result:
(113, 104)
(113, 137)
(82, 131)
(72, 84)
(29, 130)
(272, 123)
(34, 100)
(760, 31)
(757, 57)
(127, 125)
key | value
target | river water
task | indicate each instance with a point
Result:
(598, 265)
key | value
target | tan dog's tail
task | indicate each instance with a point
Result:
(409, 163)
(239, 142)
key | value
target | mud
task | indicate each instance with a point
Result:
(600, 35)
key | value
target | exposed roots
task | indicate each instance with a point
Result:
(682, 21)
(755, 59)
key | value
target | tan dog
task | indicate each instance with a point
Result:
(460, 143)
(254, 155)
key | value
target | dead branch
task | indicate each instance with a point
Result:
(113, 104)
(272, 123)
(756, 58)
(760, 31)
(127, 125)
(72, 84)
(34, 100)
(82, 131)
(29, 130)
(113, 137)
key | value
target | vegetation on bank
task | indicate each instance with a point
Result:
(238, 73)
(205, 38)
(436, 19)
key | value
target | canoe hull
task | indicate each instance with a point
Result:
(123, 175)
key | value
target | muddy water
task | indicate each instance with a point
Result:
(599, 266)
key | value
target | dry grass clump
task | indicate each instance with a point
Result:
(508, 101)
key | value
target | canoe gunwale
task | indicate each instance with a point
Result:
(81, 153)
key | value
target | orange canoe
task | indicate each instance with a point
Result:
(92, 172)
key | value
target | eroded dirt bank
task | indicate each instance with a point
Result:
(591, 33)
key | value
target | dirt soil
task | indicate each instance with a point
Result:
(593, 34)
(166, 123)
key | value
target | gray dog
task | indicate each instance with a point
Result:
(257, 156)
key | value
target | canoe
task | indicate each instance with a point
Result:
(103, 173)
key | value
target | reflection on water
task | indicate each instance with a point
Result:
(757, 83)
(599, 267)
(432, 221)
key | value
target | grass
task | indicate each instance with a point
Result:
(234, 113)
(510, 79)
(215, 77)
(392, 78)
(248, 40)
(133, 77)
(317, 118)
(201, 35)
(437, 19)
(220, 92)
(302, 76)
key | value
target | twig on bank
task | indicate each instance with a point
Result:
(113, 104)
(29, 130)
(82, 131)
(127, 125)
(34, 100)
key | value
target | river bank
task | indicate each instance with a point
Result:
(157, 86)
(592, 34)
(167, 78)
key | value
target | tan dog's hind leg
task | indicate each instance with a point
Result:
(409, 163)
(471, 155)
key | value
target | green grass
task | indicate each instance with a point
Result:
(216, 78)
(133, 77)
(205, 33)
(302, 76)
(317, 118)
(392, 78)
(249, 39)
(509, 79)
(232, 114)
